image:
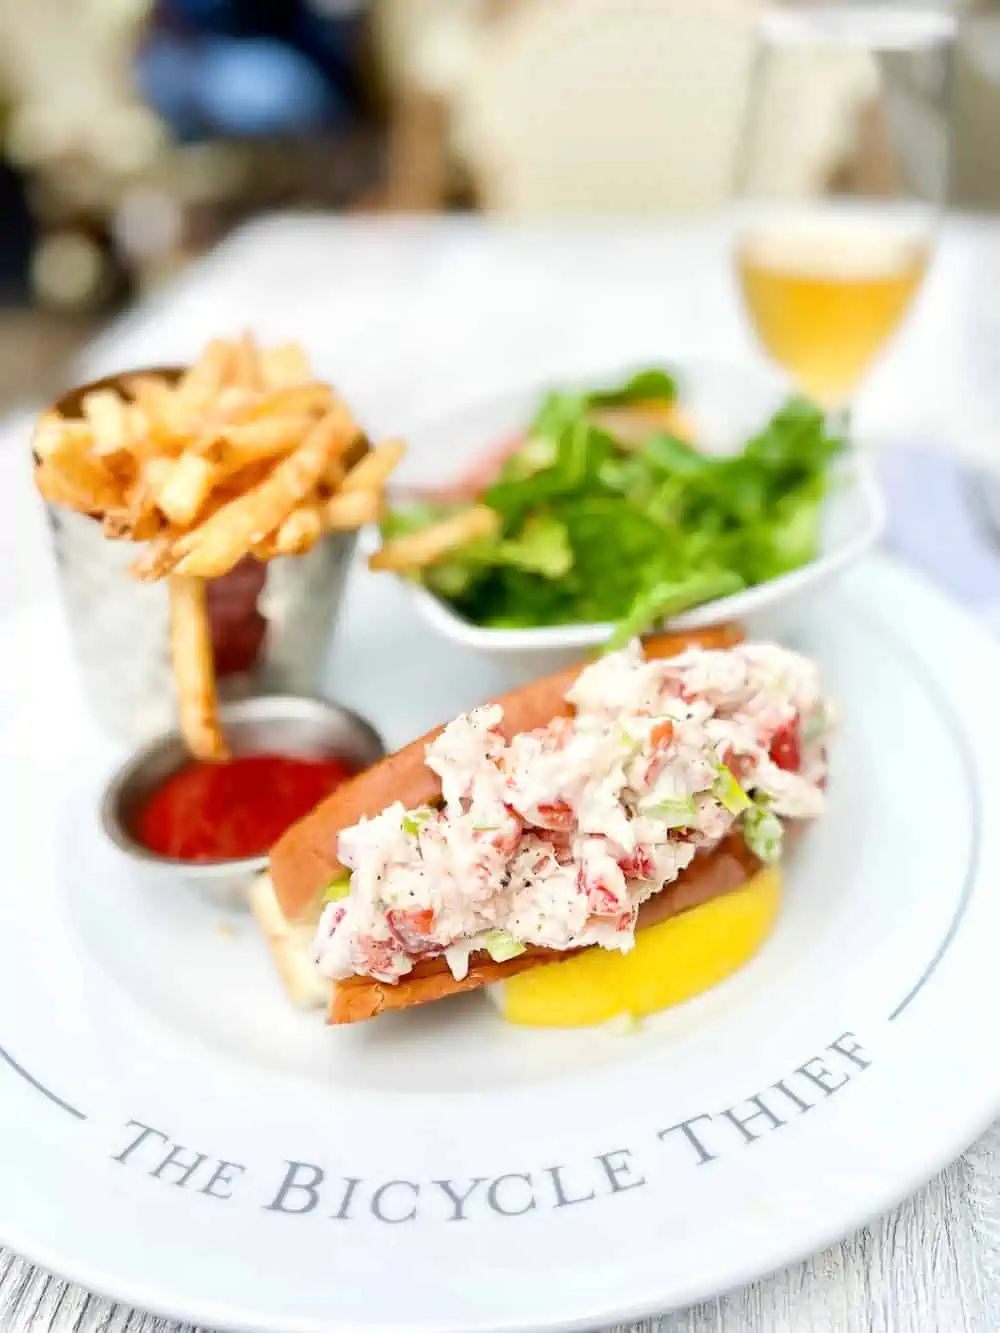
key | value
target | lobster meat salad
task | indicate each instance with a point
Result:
(556, 837)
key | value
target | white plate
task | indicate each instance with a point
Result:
(456, 1174)
(729, 404)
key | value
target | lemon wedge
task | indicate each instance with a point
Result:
(670, 963)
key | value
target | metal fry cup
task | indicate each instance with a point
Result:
(272, 623)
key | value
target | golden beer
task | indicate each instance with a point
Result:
(824, 302)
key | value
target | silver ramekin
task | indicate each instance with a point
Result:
(272, 724)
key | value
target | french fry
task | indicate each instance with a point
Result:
(346, 513)
(108, 419)
(255, 441)
(201, 384)
(237, 483)
(419, 550)
(233, 405)
(214, 546)
(139, 442)
(126, 524)
(83, 481)
(285, 364)
(266, 549)
(138, 519)
(295, 400)
(333, 474)
(183, 492)
(373, 471)
(54, 433)
(244, 363)
(155, 472)
(157, 559)
(194, 669)
(168, 420)
(160, 555)
(300, 531)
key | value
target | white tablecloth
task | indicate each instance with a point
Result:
(407, 315)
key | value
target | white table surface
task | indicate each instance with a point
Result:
(406, 315)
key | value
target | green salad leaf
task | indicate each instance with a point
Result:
(726, 789)
(502, 946)
(763, 832)
(680, 812)
(645, 386)
(338, 888)
(670, 598)
(597, 528)
(414, 820)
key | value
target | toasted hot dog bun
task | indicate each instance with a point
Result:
(710, 876)
(304, 860)
(727, 867)
(291, 949)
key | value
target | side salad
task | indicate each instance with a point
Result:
(605, 510)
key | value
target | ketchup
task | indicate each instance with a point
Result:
(786, 746)
(238, 628)
(221, 812)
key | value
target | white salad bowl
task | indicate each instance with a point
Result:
(728, 404)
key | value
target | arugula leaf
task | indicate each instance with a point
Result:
(580, 452)
(537, 453)
(670, 599)
(674, 456)
(644, 386)
(542, 548)
(513, 599)
(557, 411)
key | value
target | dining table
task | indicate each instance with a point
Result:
(409, 315)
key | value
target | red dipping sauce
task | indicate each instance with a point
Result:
(223, 812)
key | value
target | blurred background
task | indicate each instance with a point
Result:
(134, 134)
